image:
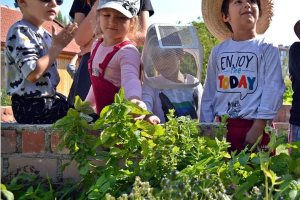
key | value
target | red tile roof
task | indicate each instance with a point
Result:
(11, 15)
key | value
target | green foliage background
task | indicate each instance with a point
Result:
(208, 42)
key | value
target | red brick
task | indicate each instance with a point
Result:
(2, 111)
(7, 118)
(288, 114)
(275, 120)
(55, 143)
(95, 133)
(8, 141)
(39, 166)
(33, 142)
(288, 107)
(281, 113)
(9, 111)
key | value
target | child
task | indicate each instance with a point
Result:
(71, 66)
(244, 79)
(171, 89)
(294, 67)
(30, 63)
(115, 61)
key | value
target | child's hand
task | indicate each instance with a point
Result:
(142, 105)
(256, 130)
(152, 119)
(64, 37)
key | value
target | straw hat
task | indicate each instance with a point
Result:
(212, 15)
(297, 29)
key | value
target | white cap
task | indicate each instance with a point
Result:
(129, 8)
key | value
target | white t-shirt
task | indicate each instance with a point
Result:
(182, 99)
(244, 80)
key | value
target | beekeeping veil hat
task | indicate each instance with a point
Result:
(171, 51)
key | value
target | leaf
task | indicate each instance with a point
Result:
(105, 112)
(145, 147)
(65, 165)
(5, 194)
(101, 180)
(243, 159)
(175, 150)
(135, 109)
(117, 99)
(73, 113)
(146, 126)
(98, 124)
(78, 103)
(84, 124)
(76, 147)
(122, 95)
(114, 151)
(94, 195)
(104, 188)
(84, 169)
(105, 135)
(128, 173)
(86, 117)
(103, 155)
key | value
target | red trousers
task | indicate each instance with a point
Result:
(237, 131)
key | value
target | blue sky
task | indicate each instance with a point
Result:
(171, 11)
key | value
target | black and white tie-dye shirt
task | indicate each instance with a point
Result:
(25, 44)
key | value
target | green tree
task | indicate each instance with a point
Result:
(59, 17)
(208, 42)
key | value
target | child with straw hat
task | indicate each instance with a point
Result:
(244, 78)
(294, 68)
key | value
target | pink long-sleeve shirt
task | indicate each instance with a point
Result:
(123, 69)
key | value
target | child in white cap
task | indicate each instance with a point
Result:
(115, 61)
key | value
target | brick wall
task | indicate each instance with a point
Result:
(284, 113)
(34, 149)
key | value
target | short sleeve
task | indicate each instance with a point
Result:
(146, 6)
(79, 6)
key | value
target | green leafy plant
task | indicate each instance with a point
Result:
(5, 99)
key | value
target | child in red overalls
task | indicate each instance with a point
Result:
(115, 61)
(244, 78)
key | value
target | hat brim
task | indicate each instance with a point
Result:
(117, 7)
(212, 16)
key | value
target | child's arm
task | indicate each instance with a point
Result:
(256, 130)
(91, 97)
(59, 41)
(85, 31)
(71, 67)
(210, 88)
(272, 94)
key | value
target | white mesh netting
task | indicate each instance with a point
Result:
(172, 51)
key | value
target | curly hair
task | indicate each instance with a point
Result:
(132, 34)
(225, 8)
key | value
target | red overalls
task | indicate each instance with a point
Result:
(104, 91)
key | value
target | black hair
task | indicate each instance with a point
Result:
(225, 8)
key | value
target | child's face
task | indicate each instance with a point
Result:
(242, 14)
(36, 12)
(114, 25)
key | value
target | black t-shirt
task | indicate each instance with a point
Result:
(294, 68)
(146, 5)
(79, 6)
